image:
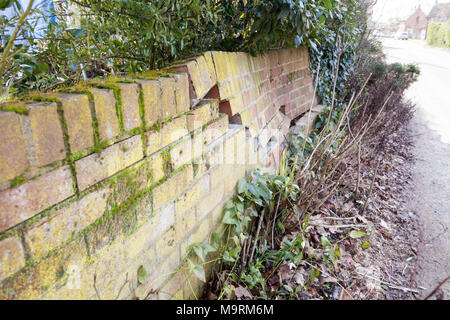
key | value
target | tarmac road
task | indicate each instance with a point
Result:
(430, 191)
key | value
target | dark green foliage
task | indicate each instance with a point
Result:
(115, 37)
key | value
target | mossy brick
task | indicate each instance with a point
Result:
(182, 98)
(203, 75)
(46, 133)
(156, 163)
(105, 111)
(32, 282)
(144, 209)
(151, 92)
(13, 155)
(23, 202)
(99, 166)
(120, 266)
(78, 118)
(131, 182)
(12, 257)
(119, 222)
(168, 103)
(169, 133)
(172, 187)
(201, 115)
(53, 230)
(130, 105)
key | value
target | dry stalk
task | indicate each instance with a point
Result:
(371, 187)
(256, 236)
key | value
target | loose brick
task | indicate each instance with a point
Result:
(12, 257)
(105, 110)
(182, 98)
(47, 134)
(168, 104)
(13, 155)
(25, 201)
(53, 230)
(130, 105)
(77, 114)
(99, 166)
(151, 91)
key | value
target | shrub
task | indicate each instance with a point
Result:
(439, 34)
(116, 36)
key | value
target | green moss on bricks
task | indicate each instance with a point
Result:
(17, 181)
(142, 117)
(118, 97)
(167, 165)
(14, 107)
(195, 168)
(9, 233)
(85, 90)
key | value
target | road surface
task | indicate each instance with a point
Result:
(430, 192)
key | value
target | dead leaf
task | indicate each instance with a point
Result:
(242, 292)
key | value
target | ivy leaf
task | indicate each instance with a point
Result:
(354, 234)
(242, 186)
(197, 270)
(142, 275)
(228, 218)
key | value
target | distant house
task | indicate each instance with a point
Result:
(439, 13)
(416, 25)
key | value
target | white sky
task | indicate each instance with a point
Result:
(385, 10)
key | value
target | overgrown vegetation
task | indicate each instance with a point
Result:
(438, 34)
(100, 38)
(293, 235)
